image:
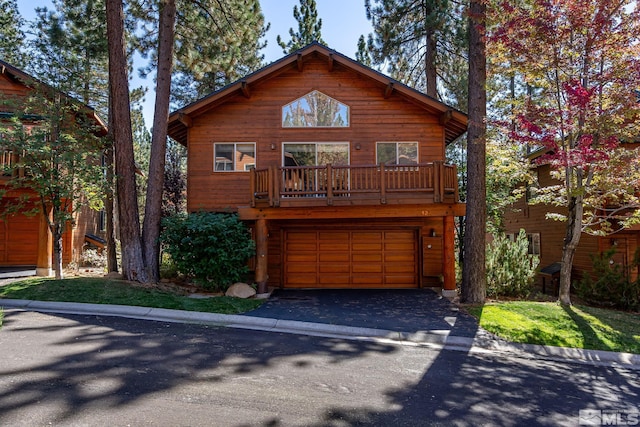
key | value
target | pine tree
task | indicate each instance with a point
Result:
(70, 49)
(362, 55)
(473, 271)
(422, 44)
(309, 27)
(133, 263)
(12, 37)
(227, 34)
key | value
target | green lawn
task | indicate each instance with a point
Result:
(549, 323)
(106, 291)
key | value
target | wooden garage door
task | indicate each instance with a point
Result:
(19, 240)
(350, 259)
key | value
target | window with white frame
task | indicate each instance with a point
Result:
(532, 238)
(234, 156)
(397, 153)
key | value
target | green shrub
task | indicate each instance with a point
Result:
(168, 267)
(510, 269)
(211, 248)
(609, 285)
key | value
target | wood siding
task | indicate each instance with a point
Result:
(532, 220)
(258, 119)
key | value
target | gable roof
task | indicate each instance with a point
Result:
(29, 81)
(454, 121)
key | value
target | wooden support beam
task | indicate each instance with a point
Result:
(446, 117)
(353, 212)
(448, 257)
(330, 62)
(262, 264)
(299, 62)
(388, 90)
(185, 120)
(244, 86)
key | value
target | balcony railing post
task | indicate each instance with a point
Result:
(252, 186)
(329, 184)
(437, 182)
(383, 185)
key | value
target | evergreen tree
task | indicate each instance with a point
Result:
(228, 35)
(12, 37)
(422, 44)
(362, 55)
(70, 48)
(309, 27)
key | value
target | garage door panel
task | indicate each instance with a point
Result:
(335, 235)
(399, 246)
(334, 246)
(367, 268)
(360, 235)
(368, 279)
(367, 257)
(367, 247)
(340, 280)
(300, 267)
(302, 257)
(334, 268)
(399, 257)
(334, 257)
(302, 246)
(399, 267)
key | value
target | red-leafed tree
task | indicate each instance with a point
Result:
(578, 62)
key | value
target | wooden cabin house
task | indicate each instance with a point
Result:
(546, 236)
(337, 169)
(26, 240)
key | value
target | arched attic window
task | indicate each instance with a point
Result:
(315, 109)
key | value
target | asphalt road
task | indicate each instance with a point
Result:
(71, 370)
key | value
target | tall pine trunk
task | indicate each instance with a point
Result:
(157, 160)
(112, 256)
(473, 273)
(133, 265)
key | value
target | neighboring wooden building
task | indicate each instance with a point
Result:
(26, 240)
(546, 236)
(338, 170)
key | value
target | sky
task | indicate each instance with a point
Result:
(343, 21)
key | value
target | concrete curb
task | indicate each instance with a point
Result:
(482, 343)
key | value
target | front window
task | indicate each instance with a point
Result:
(237, 156)
(316, 154)
(397, 153)
(315, 109)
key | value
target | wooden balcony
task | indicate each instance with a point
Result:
(306, 186)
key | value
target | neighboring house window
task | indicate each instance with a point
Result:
(102, 220)
(315, 153)
(397, 153)
(532, 238)
(534, 243)
(315, 109)
(236, 156)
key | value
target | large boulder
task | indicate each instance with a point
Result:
(240, 290)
